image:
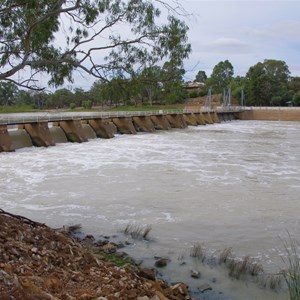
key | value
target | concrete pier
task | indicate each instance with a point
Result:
(190, 119)
(214, 117)
(176, 121)
(102, 128)
(39, 133)
(73, 130)
(160, 122)
(207, 118)
(124, 125)
(5, 140)
(143, 124)
(200, 119)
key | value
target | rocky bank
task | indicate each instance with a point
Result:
(40, 263)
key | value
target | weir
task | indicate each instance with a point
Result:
(102, 128)
(39, 133)
(5, 140)
(36, 131)
(143, 124)
(176, 121)
(207, 118)
(88, 130)
(73, 130)
(124, 125)
(190, 119)
(160, 122)
(200, 119)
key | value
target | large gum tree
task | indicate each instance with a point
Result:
(103, 38)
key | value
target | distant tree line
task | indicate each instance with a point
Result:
(154, 85)
(267, 83)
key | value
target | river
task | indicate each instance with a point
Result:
(234, 184)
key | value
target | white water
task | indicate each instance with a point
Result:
(234, 184)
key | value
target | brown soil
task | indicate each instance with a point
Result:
(39, 263)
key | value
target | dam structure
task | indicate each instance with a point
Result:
(48, 129)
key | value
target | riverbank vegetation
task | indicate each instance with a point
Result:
(267, 83)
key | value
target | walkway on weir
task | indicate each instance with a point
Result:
(25, 118)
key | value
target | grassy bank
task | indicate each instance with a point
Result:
(17, 109)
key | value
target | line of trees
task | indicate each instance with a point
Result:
(154, 85)
(267, 83)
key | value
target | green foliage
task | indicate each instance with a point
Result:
(265, 81)
(90, 39)
(221, 76)
(16, 109)
(8, 93)
(292, 273)
(194, 94)
(276, 101)
(72, 105)
(201, 76)
(87, 104)
(296, 99)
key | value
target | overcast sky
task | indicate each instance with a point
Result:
(244, 32)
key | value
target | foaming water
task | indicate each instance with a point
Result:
(233, 184)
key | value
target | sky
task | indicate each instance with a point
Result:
(241, 31)
(244, 32)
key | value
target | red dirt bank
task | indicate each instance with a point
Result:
(39, 263)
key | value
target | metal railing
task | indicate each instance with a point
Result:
(23, 118)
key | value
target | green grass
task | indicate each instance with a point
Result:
(145, 108)
(114, 258)
(17, 109)
(292, 273)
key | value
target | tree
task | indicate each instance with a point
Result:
(266, 81)
(58, 37)
(61, 98)
(296, 99)
(221, 76)
(8, 93)
(172, 80)
(201, 77)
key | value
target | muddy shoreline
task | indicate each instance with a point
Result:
(41, 263)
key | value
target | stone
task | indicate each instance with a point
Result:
(204, 287)
(162, 262)
(110, 248)
(180, 289)
(195, 274)
(147, 273)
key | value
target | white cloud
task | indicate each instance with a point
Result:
(226, 46)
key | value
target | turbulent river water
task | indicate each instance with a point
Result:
(233, 184)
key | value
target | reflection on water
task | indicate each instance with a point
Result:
(233, 184)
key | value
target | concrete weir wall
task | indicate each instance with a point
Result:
(73, 130)
(41, 134)
(160, 122)
(5, 140)
(143, 124)
(270, 114)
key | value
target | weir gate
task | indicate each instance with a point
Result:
(47, 129)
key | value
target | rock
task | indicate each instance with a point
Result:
(180, 289)
(162, 262)
(195, 274)
(37, 262)
(110, 248)
(160, 295)
(147, 273)
(138, 262)
(204, 287)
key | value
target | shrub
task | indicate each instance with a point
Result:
(87, 104)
